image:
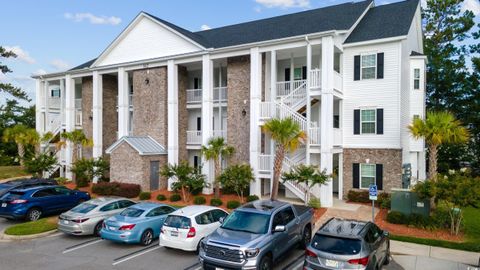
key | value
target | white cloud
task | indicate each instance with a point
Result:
(93, 19)
(258, 9)
(60, 64)
(284, 3)
(21, 54)
(205, 27)
(39, 72)
(472, 5)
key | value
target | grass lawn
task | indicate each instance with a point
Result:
(33, 227)
(471, 229)
(11, 171)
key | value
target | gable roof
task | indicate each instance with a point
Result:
(144, 145)
(84, 65)
(385, 21)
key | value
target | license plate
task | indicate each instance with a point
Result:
(331, 263)
(4, 204)
(174, 233)
(218, 268)
(65, 222)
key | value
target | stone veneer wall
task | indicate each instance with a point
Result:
(390, 158)
(87, 103)
(150, 104)
(127, 166)
(109, 111)
(182, 113)
(238, 125)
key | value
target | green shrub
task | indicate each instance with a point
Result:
(199, 200)
(215, 202)
(116, 189)
(252, 198)
(37, 165)
(61, 180)
(314, 203)
(145, 196)
(175, 197)
(440, 217)
(395, 217)
(384, 200)
(358, 196)
(419, 221)
(161, 197)
(82, 182)
(233, 204)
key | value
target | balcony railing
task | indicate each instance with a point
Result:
(54, 102)
(337, 81)
(314, 136)
(194, 137)
(220, 133)
(316, 78)
(337, 136)
(284, 88)
(194, 95)
(265, 163)
(220, 94)
(78, 118)
(78, 103)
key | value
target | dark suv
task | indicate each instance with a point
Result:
(348, 244)
(24, 183)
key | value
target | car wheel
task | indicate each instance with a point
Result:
(147, 238)
(265, 263)
(98, 228)
(306, 237)
(33, 214)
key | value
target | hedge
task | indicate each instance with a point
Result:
(199, 200)
(145, 196)
(233, 204)
(116, 189)
(215, 202)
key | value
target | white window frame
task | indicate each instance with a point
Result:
(56, 90)
(374, 66)
(374, 174)
(415, 78)
(375, 121)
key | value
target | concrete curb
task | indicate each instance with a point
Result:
(7, 237)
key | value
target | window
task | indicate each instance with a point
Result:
(368, 121)
(177, 222)
(369, 66)
(204, 218)
(125, 203)
(218, 214)
(416, 78)
(367, 175)
(195, 161)
(62, 191)
(110, 207)
(159, 211)
(197, 83)
(297, 74)
(283, 217)
(55, 93)
(199, 123)
(44, 193)
(336, 121)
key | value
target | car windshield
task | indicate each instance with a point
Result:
(177, 222)
(336, 245)
(132, 212)
(247, 222)
(84, 208)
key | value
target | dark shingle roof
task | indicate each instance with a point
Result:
(385, 21)
(84, 65)
(414, 53)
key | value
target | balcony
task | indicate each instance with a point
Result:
(265, 163)
(78, 118)
(220, 133)
(194, 96)
(337, 137)
(338, 81)
(220, 94)
(54, 102)
(316, 79)
(78, 104)
(286, 87)
(314, 136)
(194, 137)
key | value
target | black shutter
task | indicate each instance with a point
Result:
(287, 74)
(199, 123)
(356, 175)
(356, 73)
(379, 176)
(379, 65)
(356, 122)
(379, 121)
(304, 73)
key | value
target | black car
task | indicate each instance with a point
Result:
(24, 183)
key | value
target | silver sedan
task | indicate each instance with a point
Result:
(87, 218)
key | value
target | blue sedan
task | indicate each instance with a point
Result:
(139, 223)
(34, 202)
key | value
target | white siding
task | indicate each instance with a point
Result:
(146, 39)
(378, 93)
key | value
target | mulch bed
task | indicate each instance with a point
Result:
(404, 230)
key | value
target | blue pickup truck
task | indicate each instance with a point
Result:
(255, 235)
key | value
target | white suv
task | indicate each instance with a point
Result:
(186, 227)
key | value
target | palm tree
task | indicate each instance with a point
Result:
(22, 136)
(307, 174)
(439, 128)
(215, 149)
(78, 139)
(287, 135)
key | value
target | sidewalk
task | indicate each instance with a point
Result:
(405, 248)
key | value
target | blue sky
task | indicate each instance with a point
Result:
(51, 36)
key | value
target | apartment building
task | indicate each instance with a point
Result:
(351, 75)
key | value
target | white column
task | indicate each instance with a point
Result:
(292, 71)
(172, 97)
(46, 96)
(340, 176)
(309, 109)
(273, 97)
(326, 116)
(62, 102)
(255, 98)
(38, 106)
(69, 120)
(123, 106)
(207, 116)
(97, 110)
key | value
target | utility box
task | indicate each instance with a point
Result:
(407, 202)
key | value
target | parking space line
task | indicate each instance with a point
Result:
(82, 245)
(295, 262)
(136, 251)
(195, 266)
(135, 254)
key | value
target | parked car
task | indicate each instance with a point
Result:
(139, 223)
(23, 183)
(34, 202)
(186, 227)
(255, 235)
(348, 244)
(87, 218)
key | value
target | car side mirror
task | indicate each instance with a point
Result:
(279, 228)
(386, 233)
(220, 220)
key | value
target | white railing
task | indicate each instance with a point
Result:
(54, 102)
(314, 136)
(286, 87)
(265, 163)
(277, 110)
(316, 78)
(220, 133)
(78, 103)
(194, 137)
(337, 136)
(78, 117)
(337, 81)
(297, 98)
(54, 121)
(194, 95)
(220, 94)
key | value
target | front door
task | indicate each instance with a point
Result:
(154, 174)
